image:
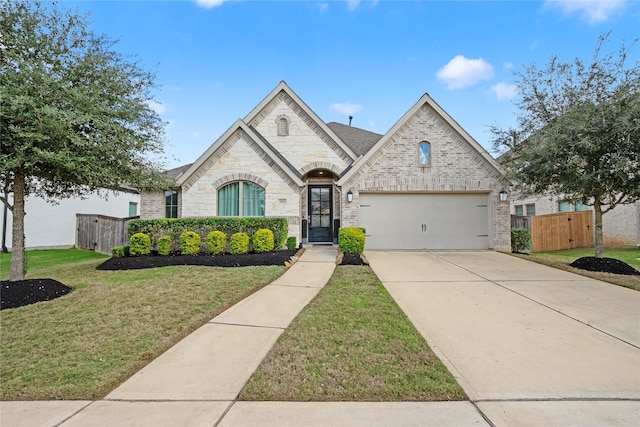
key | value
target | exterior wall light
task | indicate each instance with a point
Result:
(349, 196)
(503, 195)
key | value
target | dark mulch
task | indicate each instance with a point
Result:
(223, 260)
(24, 292)
(604, 265)
(350, 259)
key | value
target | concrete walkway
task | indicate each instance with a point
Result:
(531, 345)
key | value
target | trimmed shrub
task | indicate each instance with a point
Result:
(263, 240)
(216, 242)
(190, 243)
(239, 243)
(139, 244)
(120, 251)
(291, 243)
(173, 227)
(164, 245)
(351, 240)
(520, 240)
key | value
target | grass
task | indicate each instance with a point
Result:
(562, 259)
(352, 343)
(84, 344)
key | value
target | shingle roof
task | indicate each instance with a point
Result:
(359, 140)
(176, 172)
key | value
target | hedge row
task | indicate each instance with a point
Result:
(174, 227)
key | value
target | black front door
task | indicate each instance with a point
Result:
(320, 213)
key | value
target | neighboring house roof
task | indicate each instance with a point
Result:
(359, 140)
(425, 99)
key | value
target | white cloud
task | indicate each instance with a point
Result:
(208, 4)
(352, 4)
(158, 107)
(323, 7)
(346, 108)
(462, 72)
(504, 90)
(593, 11)
(196, 135)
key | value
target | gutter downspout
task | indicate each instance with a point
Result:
(4, 230)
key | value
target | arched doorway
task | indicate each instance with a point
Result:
(320, 206)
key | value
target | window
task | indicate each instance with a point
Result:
(519, 210)
(241, 199)
(531, 209)
(581, 207)
(564, 206)
(424, 155)
(283, 126)
(133, 209)
(171, 204)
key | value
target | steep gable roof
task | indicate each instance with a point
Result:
(270, 152)
(283, 87)
(424, 100)
(359, 140)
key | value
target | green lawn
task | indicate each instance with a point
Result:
(562, 259)
(352, 343)
(84, 344)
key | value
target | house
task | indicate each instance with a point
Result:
(425, 184)
(49, 225)
(620, 226)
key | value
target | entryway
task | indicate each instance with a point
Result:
(320, 213)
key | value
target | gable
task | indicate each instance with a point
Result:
(309, 138)
(456, 159)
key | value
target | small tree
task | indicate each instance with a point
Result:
(578, 132)
(74, 113)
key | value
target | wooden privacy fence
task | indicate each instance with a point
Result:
(521, 221)
(566, 230)
(101, 233)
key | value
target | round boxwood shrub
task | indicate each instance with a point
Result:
(139, 244)
(263, 240)
(216, 242)
(291, 243)
(164, 245)
(190, 243)
(239, 243)
(351, 240)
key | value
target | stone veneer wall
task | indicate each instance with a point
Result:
(455, 167)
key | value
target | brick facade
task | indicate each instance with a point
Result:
(256, 149)
(455, 167)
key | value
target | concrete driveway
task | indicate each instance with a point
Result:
(530, 345)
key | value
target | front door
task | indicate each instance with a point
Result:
(320, 213)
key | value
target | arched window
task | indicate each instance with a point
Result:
(424, 154)
(283, 126)
(241, 198)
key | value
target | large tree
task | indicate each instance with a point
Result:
(75, 115)
(578, 132)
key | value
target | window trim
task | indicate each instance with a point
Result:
(169, 205)
(429, 154)
(240, 199)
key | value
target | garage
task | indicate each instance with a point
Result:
(425, 221)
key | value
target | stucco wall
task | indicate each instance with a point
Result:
(455, 167)
(51, 226)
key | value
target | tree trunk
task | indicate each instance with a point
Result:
(17, 249)
(597, 209)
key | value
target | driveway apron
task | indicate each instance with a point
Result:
(523, 338)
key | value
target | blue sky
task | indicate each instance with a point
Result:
(215, 60)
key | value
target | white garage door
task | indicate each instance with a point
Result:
(425, 221)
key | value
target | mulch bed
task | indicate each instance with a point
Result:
(349, 259)
(24, 292)
(223, 260)
(604, 265)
